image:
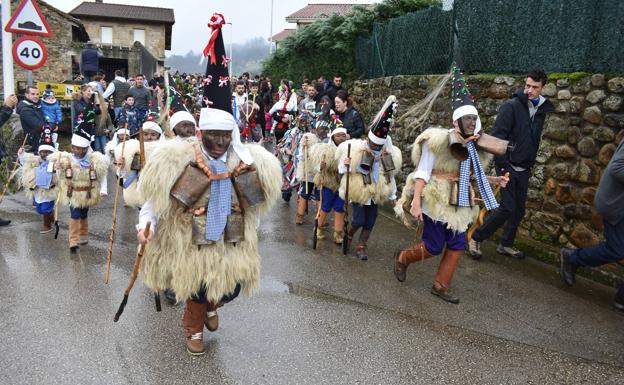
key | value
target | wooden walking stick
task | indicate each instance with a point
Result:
(12, 174)
(482, 214)
(318, 208)
(345, 227)
(111, 239)
(134, 275)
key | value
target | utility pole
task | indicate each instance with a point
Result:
(271, 31)
(7, 55)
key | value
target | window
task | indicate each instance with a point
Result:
(107, 35)
(139, 35)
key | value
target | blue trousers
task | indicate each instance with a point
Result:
(364, 216)
(332, 201)
(436, 235)
(609, 251)
(100, 143)
(76, 213)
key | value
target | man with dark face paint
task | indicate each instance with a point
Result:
(439, 193)
(203, 199)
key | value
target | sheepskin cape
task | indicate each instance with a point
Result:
(437, 191)
(131, 194)
(171, 260)
(325, 152)
(80, 178)
(27, 179)
(359, 192)
(303, 166)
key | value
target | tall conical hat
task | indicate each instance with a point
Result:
(217, 87)
(379, 129)
(463, 101)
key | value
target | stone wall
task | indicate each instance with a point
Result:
(577, 142)
(123, 34)
(61, 49)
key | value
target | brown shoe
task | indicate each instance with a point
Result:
(74, 234)
(212, 320)
(400, 270)
(47, 224)
(299, 219)
(444, 293)
(338, 237)
(84, 232)
(193, 323)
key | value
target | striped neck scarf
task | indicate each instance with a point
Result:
(464, 180)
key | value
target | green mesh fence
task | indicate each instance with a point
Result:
(499, 37)
(415, 43)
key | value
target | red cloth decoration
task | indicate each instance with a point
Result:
(216, 22)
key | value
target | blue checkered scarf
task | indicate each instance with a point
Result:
(464, 181)
(220, 205)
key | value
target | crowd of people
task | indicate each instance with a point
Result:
(189, 153)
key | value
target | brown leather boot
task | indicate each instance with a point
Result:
(84, 231)
(402, 259)
(322, 219)
(444, 275)
(47, 224)
(193, 323)
(361, 249)
(301, 210)
(338, 227)
(350, 235)
(74, 234)
(211, 320)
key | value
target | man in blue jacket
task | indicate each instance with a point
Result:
(609, 201)
(520, 121)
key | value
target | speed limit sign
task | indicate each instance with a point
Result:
(30, 52)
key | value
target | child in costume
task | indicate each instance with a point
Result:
(40, 181)
(325, 168)
(82, 180)
(373, 165)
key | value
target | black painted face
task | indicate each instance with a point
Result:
(468, 124)
(79, 152)
(216, 142)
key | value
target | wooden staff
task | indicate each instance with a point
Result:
(482, 214)
(318, 208)
(134, 275)
(111, 239)
(12, 174)
(305, 164)
(345, 227)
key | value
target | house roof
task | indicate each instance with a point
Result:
(126, 12)
(109, 11)
(80, 29)
(280, 36)
(316, 11)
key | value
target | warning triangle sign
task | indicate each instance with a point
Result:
(28, 20)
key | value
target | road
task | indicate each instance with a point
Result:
(318, 318)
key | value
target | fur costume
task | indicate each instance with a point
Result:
(171, 259)
(131, 195)
(326, 152)
(80, 178)
(27, 179)
(358, 191)
(437, 191)
(300, 171)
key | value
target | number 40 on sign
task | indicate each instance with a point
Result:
(30, 52)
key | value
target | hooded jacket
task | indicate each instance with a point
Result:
(32, 120)
(514, 123)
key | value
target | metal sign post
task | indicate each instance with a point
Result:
(8, 87)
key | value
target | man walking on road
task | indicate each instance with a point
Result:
(609, 203)
(142, 96)
(520, 121)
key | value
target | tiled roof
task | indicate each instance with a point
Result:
(128, 12)
(283, 35)
(315, 11)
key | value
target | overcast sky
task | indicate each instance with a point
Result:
(249, 18)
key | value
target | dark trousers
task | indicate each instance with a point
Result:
(77, 213)
(609, 251)
(511, 210)
(364, 216)
(200, 296)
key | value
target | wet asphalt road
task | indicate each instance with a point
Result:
(319, 317)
